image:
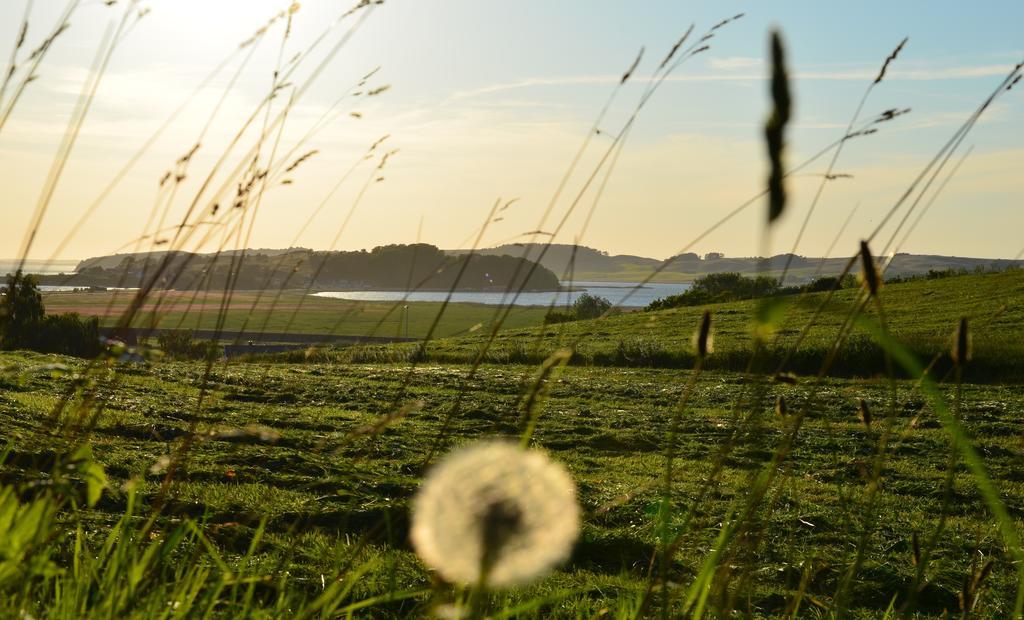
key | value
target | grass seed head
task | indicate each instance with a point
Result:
(962, 343)
(675, 48)
(891, 57)
(864, 413)
(704, 339)
(774, 130)
(632, 67)
(869, 271)
(781, 409)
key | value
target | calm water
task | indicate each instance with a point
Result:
(41, 267)
(54, 288)
(614, 292)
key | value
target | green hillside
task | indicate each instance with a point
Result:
(922, 314)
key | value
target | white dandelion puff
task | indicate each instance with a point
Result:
(494, 514)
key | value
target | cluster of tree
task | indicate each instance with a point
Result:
(390, 267)
(586, 306)
(24, 323)
(723, 287)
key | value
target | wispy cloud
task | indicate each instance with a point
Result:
(736, 62)
(862, 75)
(924, 74)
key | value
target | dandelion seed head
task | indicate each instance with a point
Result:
(497, 506)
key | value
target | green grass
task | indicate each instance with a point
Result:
(329, 499)
(921, 314)
(317, 315)
(766, 509)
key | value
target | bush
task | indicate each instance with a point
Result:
(586, 306)
(67, 334)
(21, 310)
(828, 283)
(589, 306)
(558, 316)
(720, 287)
(24, 323)
(182, 344)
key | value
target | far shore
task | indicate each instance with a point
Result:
(48, 280)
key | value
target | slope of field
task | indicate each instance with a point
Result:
(333, 494)
(923, 314)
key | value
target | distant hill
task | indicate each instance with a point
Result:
(589, 264)
(113, 260)
(559, 256)
(391, 267)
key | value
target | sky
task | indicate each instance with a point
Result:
(490, 101)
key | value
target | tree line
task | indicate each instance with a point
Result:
(723, 287)
(390, 267)
(24, 323)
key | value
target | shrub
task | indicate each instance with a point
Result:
(589, 306)
(68, 334)
(827, 283)
(586, 306)
(558, 316)
(21, 310)
(24, 323)
(720, 287)
(182, 344)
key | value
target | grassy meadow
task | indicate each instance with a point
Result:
(296, 310)
(294, 475)
(922, 314)
(325, 493)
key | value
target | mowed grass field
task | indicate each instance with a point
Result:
(293, 310)
(329, 494)
(297, 474)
